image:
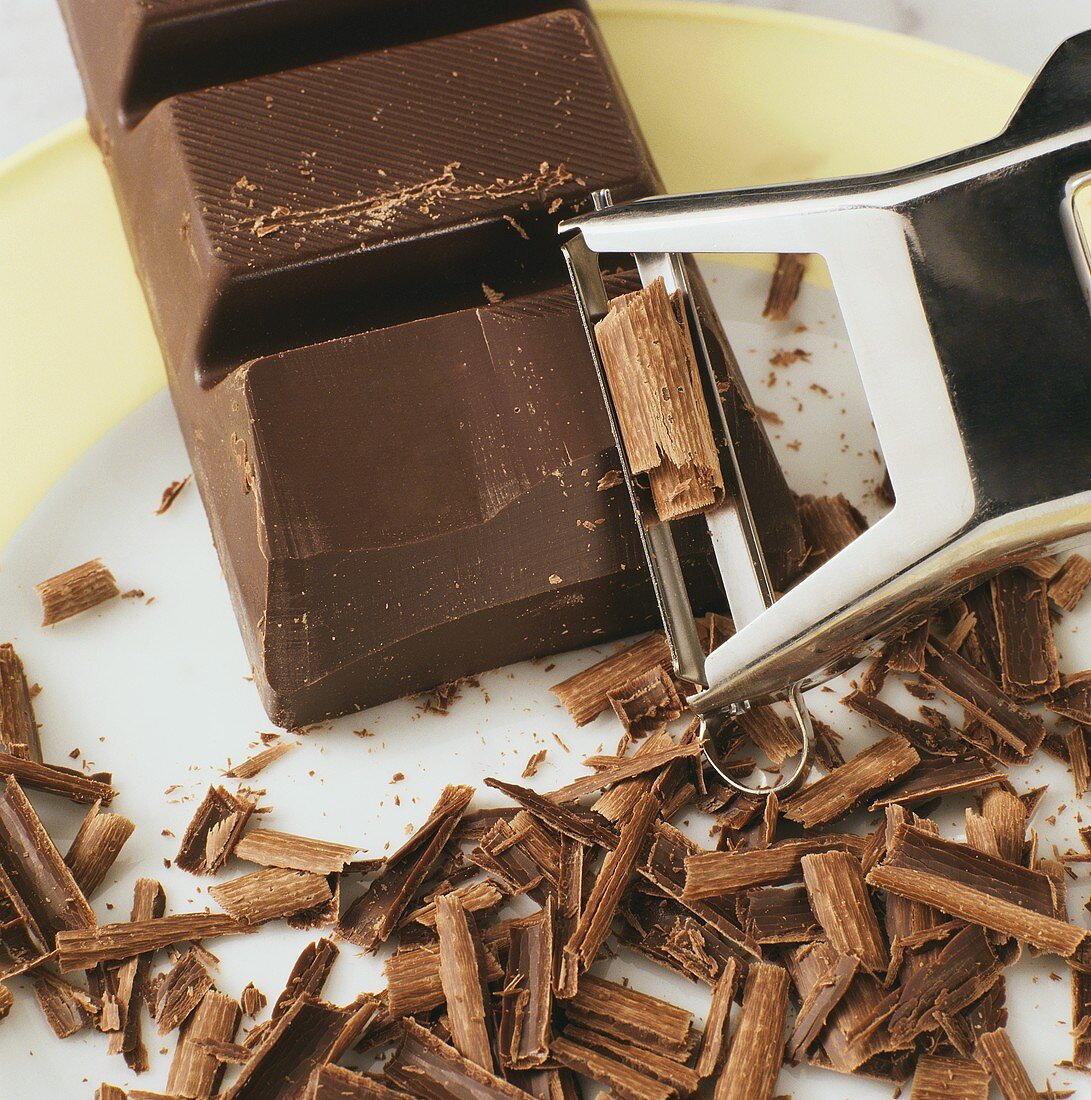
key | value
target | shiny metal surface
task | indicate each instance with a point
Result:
(965, 287)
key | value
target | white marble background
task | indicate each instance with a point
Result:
(39, 89)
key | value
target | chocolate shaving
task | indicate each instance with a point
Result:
(770, 732)
(627, 768)
(649, 362)
(17, 724)
(568, 904)
(66, 1008)
(835, 794)
(1016, 727)
(75, 591)
(469, 1011)
(839, 898)
(413, 981)
(84, 948)
(661, 1068)
(829, 525)
(527, 995)
(110, 1092)
(375, 914)
(170, 494)
(214, 830)
(1028, 657)
(976, 887)
(476, 897)
(337, 1083)
(1081, 1018)
(996, 1053)
(624, 1081)
(922, 737)
(585, 695)
(635, 1017)
(945, 1078)
(1076, 743)
(779, 914)
(260, 761)
(785, 286)
(711, 874)
(822, 998)
(195, 1072)
(647, 702)
(421, 1059)
(933, 780)
(299, 853)
(1068, 585)
(271, 894)
(573, 821)
(534, 761)
(714, 1037)
(757, 1047)
(96, 846)
(182, 989)
(53, 779)
(149, 903)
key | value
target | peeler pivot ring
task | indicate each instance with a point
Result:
(711, 724)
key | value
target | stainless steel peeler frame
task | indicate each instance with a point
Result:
(965, 285)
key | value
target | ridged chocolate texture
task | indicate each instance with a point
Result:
(136, 53)
(308, 204)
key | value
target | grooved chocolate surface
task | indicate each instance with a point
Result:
(381, 376)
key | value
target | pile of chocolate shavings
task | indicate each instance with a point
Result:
(879, 952)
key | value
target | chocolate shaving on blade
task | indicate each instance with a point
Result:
(647, 702)
(976, 887)
(770, 732)
(585, 695)
(649, 362)
(1028, 657)
(82, 949)
(96, 846)
(260, 761)
(830, 523)
(835, 794)
(785, 286)
(214, 830)
(17, 722)
(757, 1047)
(375, 914)
(839, 898)
(75, 591)
(299, 853)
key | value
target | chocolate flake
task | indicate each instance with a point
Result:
(940, 1077)
(299, 853)
(835, 794)
(649, 362)
(647, 702)
(96, 846)
(996, 1053)
(260, 761)
(977, 887)
(375, 914)
(182, 989)
(534, 761)
(170, 494)
(785, 285)
(757, 1047)
(82, 949)
(76, 591)
(195, 1072)
(214, 830)
(585, 695)
(839, 898)
(271, 893)
(17, 724)
(714, 1037)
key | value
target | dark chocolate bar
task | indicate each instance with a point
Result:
(381, 376)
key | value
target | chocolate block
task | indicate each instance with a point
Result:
(135, 54)
(307, 204)
(400, 469)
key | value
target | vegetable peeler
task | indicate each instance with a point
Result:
(965, 285)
